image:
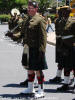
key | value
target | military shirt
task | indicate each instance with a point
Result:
(33, 32)
(69, 31)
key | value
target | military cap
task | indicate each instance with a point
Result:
(14, 10)
(58, 8)
(65, 7)
(33, 3)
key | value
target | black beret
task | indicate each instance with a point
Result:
(33, 3)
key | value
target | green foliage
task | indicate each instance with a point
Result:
(21, 1)
(10, 4)
(4, 17)
(52, 16)
(43, 5)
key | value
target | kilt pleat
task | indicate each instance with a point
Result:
(37, 61)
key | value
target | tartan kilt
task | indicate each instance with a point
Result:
(37, 60)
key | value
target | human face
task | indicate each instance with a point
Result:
(65, 13)
(31, 10)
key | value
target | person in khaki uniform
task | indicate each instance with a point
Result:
(34, 37)
(13, 21)
(13, 24)
(68, 51)
(58, 59)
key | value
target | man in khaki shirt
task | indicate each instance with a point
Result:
(34, 37)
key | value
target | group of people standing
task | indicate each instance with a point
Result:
(32, 33)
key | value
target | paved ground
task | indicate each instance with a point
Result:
(51, 38)
(12, 72)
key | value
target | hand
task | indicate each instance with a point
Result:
(9, 34)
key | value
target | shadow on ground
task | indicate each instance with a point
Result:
(55, 91)
(18, 85)
(14, 85)
(17, 96)
(54, 83)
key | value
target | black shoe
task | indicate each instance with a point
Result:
(25, 83)
(55, 80)
(64, 88)
(71, 81)
(73, 88)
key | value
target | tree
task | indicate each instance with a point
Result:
(67, 2)
(43, 5)
(23, 2)
(7, 5)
